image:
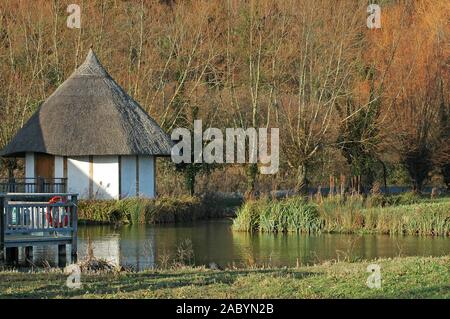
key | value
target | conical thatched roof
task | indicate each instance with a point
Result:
(90, 114)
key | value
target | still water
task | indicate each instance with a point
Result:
(144, 246)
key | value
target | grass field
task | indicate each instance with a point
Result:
(407, 277)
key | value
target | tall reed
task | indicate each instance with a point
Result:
(288, 215)
(337, 214)
(143, 210)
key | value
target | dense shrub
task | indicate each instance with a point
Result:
(142, 210)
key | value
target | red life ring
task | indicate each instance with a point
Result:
(65, 222)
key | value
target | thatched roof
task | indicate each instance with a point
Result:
(90, 114)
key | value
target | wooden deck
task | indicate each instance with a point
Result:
(30, 240)
(28, 219)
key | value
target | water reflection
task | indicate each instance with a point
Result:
(143, 246)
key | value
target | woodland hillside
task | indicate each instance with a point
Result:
(349, 101)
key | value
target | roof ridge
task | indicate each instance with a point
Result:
(90, 114)
(91, 66)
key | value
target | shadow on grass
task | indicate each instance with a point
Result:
(435, 291)
(110, 285)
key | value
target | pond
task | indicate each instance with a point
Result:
(143, 246)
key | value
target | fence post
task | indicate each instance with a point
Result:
(75, 227)
(2, 228)
(40, 184)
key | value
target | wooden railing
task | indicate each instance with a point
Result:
(33, 185)
(29, 219)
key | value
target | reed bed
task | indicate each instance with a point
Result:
(336, 214)
(154, 211)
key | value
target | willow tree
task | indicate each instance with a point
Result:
(360, 135)
(323, 65)
(190, 89)
(255, 38)
(411, 47)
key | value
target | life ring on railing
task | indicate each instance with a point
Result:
(57, 224)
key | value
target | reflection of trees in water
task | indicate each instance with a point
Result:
(138, 245)
(130, 246)
(106, 247)
(294, 249)
(213, 241)
(273, 249)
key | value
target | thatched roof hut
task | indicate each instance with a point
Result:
(91, 134)
(90, 114)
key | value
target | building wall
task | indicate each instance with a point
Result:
(137, 175)
(29, 165)
(106, 177)
(59, 167)
(78, 176)
(147, 176)
(98, 176)
(128, 176)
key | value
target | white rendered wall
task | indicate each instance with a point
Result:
(147, 176)
(29, 165)
(78, 176)
(59, 167)
(128, 176)
(106, 177)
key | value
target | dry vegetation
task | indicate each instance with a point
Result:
(348, 100)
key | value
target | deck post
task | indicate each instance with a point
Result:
(29, 255)
(62, 255)
(74, 200)
(12, 255)
(23, 215)
(2, 229)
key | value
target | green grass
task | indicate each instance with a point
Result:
(353, 214)
(410, 277)
(292, 214)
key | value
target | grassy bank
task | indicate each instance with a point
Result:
(154, 211)
(411, 277)
(344, 215)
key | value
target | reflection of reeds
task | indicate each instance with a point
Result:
(248, 257)
(184, 256)
(164, 259)
(399, 248)
(90, 263)
(348, 254)
(185, 253)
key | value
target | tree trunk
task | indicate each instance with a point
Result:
(11, 166)
(190, 180)
(418, 165)
(302, 181)
(384, 177)
(446, 174)
(252, 173)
